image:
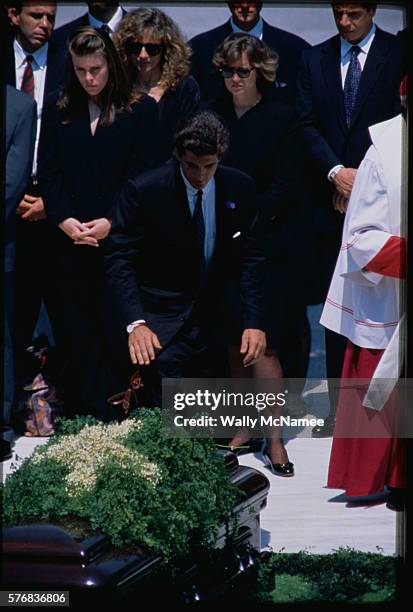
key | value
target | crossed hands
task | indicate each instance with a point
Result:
(88, 233)
(343, 181)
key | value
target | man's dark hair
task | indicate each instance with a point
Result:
(235, 2)
(18, 4)
(372, 6)
(203, 134)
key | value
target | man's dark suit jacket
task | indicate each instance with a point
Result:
(62, 34)
(288, 46)
(152, 259)
(21, 122)
(321, 115)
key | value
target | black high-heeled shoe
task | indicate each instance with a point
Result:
(279, 469)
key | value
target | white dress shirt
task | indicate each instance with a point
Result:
(112, 24)
(364, 45)
(39, 66)
(208, 209)
(256, 31)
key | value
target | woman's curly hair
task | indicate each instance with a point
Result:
(176, 54)
(262, 57)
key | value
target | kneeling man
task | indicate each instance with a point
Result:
(178, 234)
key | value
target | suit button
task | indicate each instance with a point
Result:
(184, 318)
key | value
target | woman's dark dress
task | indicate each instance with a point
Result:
(264, 144)
(81, 177)
(175, 106)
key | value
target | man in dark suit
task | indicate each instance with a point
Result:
(246, 18)
(21, 119)
(34, 65)
(346, 84)
(106, 15)
(178, 234)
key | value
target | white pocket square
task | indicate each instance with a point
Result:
(236, 235)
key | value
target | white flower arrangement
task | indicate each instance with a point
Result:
(86, 452)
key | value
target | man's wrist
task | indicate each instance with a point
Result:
(334, 171)
(134, 325)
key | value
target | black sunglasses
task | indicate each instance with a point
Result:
(151, 48)
(243, 73)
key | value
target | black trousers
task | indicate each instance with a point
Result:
(8, 361)
(195, 352)
(328, 247)
(36, 277)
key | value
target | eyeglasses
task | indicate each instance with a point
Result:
(228, 72)
(135, 48)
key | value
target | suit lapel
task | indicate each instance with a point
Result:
(375, 59)
(186, 230)
(56, 68)
(330, 64)
(10, 65)
(181, 198)
(225, 217)
(219, 211)
(90, 148)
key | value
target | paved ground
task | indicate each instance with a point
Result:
(301, 513)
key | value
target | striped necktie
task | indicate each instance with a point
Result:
(28, 78)
(351, 84)
(199, 225)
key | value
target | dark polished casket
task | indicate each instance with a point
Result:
(50, 557)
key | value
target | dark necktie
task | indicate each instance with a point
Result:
(199, 225)
(28, 78)
(351, 84)
(105, 29)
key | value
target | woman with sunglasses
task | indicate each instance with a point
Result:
(97, 135)
(263, 144)
(157, 60)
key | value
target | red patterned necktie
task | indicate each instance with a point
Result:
(28, 78)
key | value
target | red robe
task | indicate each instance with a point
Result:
(363, 466)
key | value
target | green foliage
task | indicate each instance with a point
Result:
(180, 513)
(34, 493)
(65, 427)
(344, 576)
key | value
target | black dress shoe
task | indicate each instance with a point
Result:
(5, 450)
(396, 500)
(279, 469)
(324, 431)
